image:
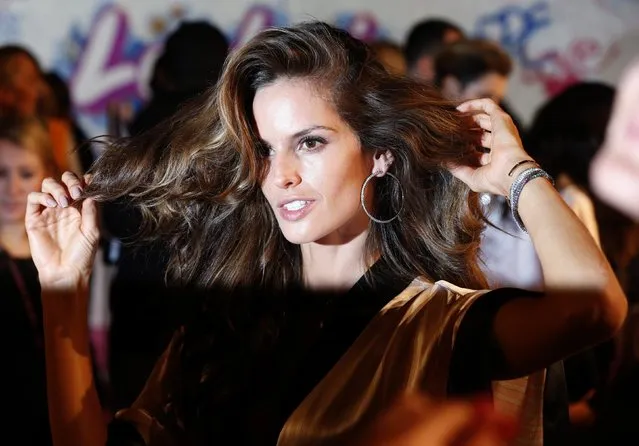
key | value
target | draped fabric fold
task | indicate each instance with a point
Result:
(406, 348)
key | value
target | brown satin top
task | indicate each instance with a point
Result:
(407, 346)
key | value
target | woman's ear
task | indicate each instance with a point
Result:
(382, 162)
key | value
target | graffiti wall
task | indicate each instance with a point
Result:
(106, 48)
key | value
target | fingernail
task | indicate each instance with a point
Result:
(51, 202)
(76, 192)
(63, 202)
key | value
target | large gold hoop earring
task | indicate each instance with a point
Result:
(363, 193)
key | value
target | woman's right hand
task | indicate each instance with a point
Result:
(63, 235)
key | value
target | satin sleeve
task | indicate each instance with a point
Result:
(477, 357)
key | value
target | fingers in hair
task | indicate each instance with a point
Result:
(36, 201)
(483, 120)
(73, 184)
(90, 219)
(484, 105)
(56, 190)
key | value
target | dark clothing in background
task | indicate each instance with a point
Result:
(162, 106)
(24, 396)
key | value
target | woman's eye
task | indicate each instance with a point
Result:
(312, 143)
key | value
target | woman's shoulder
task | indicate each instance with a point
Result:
(452, 299)
(452, 290)
(442, 296)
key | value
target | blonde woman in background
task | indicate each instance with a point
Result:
(26, 159)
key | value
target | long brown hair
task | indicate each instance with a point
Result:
(196, 179)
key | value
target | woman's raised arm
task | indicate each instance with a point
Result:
(63, 236)
(583, 303)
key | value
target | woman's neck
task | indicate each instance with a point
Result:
(335, 267)
(13, 239)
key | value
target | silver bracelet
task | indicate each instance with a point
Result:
(518, 185)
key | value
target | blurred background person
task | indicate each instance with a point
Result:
(57, 105)
(22, 92)
(473, 69)
(424, 40)
(614, 176)
(615, 172)
(26, 159)
(191, 61)
(565, 134)
(390, 54)
(21, 83)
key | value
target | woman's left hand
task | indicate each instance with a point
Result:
(506, 150)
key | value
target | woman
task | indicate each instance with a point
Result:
(23, 91)
(310, 168)
(25, 160)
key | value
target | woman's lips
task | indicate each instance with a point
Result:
(295, 210)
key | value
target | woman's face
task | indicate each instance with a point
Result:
(316, 165)
(21, 172)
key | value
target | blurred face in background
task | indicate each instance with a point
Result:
(21, 172)
(424, 69)
(23, 86)
(451, 36)
(491, 85)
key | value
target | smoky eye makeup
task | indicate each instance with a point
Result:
(312, 143)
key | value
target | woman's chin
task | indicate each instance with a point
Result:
(298, 238)
(299, 234)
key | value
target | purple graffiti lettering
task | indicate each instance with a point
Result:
(553, 71)
(256, 19)
(513, 26)
(103, 74)
(362, 25)
(586, 54)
